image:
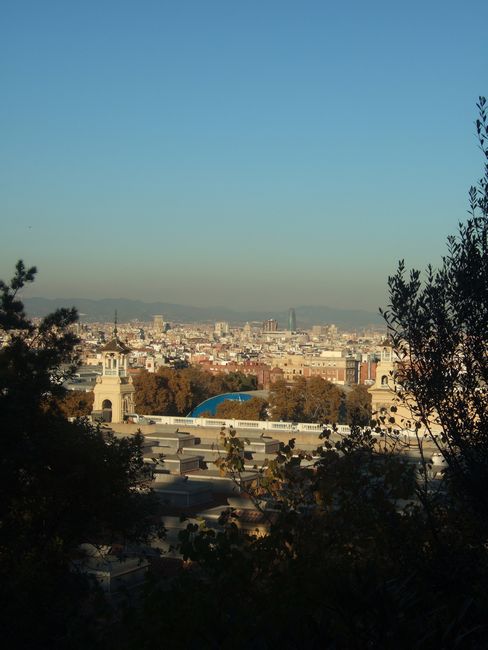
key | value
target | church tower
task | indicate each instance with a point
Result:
(114, 390)
(383, 391)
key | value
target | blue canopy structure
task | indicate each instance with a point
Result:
(210, 404)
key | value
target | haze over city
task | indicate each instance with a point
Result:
(253, 155)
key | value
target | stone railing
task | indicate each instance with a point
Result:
(259, 425)
(117, 372)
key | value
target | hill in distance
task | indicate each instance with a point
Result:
(130, 310)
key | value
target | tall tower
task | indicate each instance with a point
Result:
(114, 390)
(383, 391)
(158, 323)
(292, 320)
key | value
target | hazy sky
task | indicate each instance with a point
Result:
(245, 153)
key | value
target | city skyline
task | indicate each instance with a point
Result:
(248, 156)
(136, 310)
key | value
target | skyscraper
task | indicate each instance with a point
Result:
(158, 323)
(292, 320)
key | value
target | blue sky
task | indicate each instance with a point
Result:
(247, 154)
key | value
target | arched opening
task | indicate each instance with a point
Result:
(126, 406)
(107, 410)
(384, 380)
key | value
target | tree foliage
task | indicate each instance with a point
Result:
(322, 401)
(439, 327)
(252, 409)
(349, 543)
(172, 391)
(76, 404)
(358, 406)
(363, 549)
(62, 483)
(306, 400)
(286, 403)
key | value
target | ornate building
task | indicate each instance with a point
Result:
(114, 390)
(383, 391)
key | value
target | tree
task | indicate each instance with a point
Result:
(76, 404)
(252, 409)
(355, 520)
(237, 381)
(182, 387)
(62, 483)
(358, 406)
(306, 400)
(439, 329)
(286, 402)
(322, 401)
(343, 524)
(153, 395)
(172, 391)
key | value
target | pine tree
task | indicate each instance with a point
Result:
(61, 484)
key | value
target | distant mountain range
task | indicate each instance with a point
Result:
(129, 310)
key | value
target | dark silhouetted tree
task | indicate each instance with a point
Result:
(358, 554)
(61, 484)
(438, 324)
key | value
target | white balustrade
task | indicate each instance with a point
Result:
(267, 425)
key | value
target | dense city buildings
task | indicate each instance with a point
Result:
(343, 358)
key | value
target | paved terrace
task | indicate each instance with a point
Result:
(305, 434)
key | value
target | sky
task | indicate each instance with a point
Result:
(266, 153)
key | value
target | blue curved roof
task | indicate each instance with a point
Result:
(211, 403)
